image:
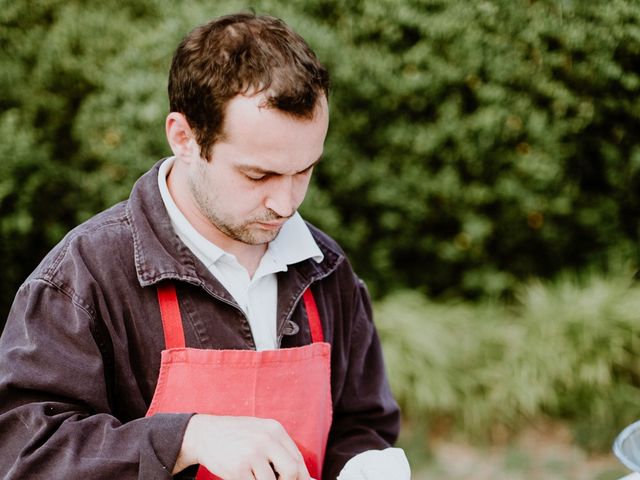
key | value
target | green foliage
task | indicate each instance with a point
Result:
(82, 106)
(478, 143)
(473, 144)
(569, 349)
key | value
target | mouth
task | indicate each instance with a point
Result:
(275, 225)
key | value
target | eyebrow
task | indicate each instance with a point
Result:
(261, 171)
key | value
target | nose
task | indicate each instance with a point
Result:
(282, 197)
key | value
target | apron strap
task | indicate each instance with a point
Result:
(314, 317)
(172, 320)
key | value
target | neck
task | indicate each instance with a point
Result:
(249, 256)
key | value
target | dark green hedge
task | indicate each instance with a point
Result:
(473, 143)
(477, 143)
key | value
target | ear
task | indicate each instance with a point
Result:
(180, 136)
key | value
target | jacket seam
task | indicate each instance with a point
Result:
(49, 272)
(75, 299)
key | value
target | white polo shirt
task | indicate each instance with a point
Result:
(257, 296)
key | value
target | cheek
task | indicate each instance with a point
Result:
(245, 197)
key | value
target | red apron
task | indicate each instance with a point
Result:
(290, 385)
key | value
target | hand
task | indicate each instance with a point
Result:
(241, 448)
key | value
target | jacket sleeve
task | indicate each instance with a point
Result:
(365, 416)
(55, 414)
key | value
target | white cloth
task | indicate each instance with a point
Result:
(257, 296)
(633, 476)
(387, 464)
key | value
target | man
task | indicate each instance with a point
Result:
(202, 327)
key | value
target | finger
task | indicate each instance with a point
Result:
(286, 466)
(263, 471)
(281, 436)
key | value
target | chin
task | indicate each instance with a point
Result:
(258, 237)
(266, 237)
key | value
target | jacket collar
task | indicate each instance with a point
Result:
(160, 254)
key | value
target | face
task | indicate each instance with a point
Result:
(259, 172)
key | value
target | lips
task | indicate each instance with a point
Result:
(271, 225)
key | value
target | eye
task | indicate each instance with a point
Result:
(256, 177)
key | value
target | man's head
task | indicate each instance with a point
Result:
(248, 121)
(242, 54)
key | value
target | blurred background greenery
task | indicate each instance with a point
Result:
(482, 171)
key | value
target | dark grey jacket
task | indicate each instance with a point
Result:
(80, 353)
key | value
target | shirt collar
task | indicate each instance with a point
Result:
(294, 243)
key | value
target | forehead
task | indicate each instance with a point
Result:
(263, 136)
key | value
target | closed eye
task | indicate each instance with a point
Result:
(256, 178)
(256, 175)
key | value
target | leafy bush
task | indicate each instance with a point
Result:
(568, 349)
(473, 143)
(82, 107)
